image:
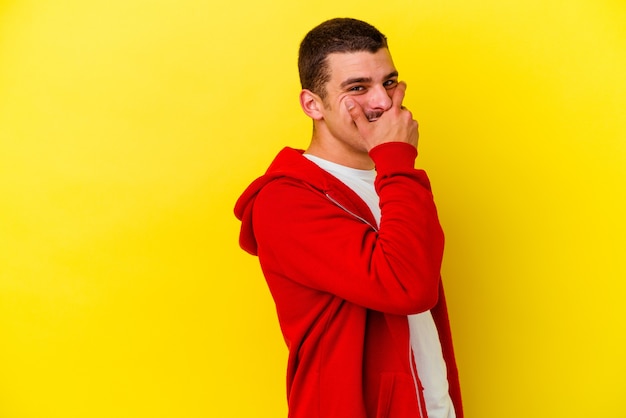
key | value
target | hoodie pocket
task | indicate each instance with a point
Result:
(397, 397)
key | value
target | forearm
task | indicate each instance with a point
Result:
(307, 238)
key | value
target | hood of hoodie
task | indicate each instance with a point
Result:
(289, 163)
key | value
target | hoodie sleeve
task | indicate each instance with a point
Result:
(306, 238)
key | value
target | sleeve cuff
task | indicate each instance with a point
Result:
(393, 156)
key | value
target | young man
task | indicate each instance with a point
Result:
(349, 241)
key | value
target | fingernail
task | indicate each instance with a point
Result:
(349, 104)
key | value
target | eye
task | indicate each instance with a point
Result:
(356, 88)
(389, 84)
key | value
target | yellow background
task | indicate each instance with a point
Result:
(129, 127)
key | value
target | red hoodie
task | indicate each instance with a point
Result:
(343, 287)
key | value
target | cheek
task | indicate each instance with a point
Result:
(362, 100)
(342, 110)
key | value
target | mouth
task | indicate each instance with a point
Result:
(373, 116)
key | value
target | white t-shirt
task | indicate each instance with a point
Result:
(424, 336)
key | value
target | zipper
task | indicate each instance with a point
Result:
(362, 219)
(417, 388)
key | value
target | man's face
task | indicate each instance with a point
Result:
(367, 78)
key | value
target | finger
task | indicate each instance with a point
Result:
(398, 95)
(356, 113)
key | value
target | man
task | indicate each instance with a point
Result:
(349, 241)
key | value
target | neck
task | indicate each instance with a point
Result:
(339, 153)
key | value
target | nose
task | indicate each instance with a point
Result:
(380, 99)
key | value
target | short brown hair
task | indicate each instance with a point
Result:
(332, 36)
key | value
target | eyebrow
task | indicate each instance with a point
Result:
(357, 80)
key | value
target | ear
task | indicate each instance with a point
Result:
(311, 104)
